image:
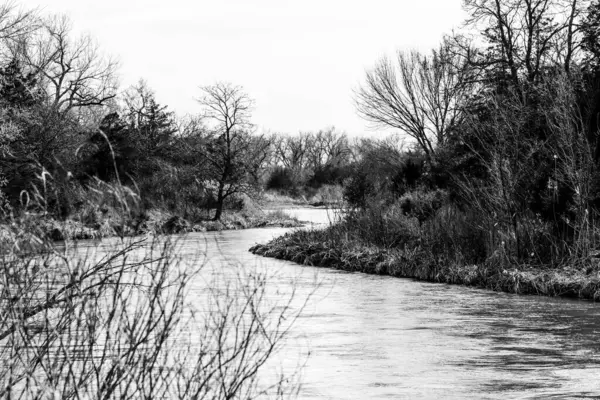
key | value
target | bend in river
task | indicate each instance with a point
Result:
(377, 337)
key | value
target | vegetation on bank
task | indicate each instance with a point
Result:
(82, 158)
(155, 222)
(500, 188)
(110, 223)
(68, 129)
(326, 196)
(119, 322)
(330, 248)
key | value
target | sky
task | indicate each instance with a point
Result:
(298, 59)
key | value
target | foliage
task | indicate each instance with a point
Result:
(383, 170)
(280, 179)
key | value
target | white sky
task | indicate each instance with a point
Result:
(299, 59)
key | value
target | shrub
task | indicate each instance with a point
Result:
(384, 226)
(280, 179)
(358, 189)
(455, 236)
(422, 204)
(328, 175)
(328, 194)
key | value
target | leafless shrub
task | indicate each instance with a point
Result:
(120, 325)
(574, 165)
(507, 155)
(131, 319)
(510, 152)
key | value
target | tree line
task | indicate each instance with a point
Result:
(501, 121)
(67, 127)
(503, 116)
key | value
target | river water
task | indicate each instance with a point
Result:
(374, 337)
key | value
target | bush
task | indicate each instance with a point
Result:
(328, 175)
(358, 189)
(385, 174)
(281, 179)
(422, 204)
(382, 225)
(327, 195)
(455, 236)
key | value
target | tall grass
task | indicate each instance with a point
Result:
(118, 321)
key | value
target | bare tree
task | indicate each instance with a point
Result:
(227, 106)
(234, 155)
(308, 152)
(291, 151)
(136, 100)
(74, 71)
(16, 23)
(419, 95)
(528, 35)
(328, 147)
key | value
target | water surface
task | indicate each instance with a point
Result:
(374, 337)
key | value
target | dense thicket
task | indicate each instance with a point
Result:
(520, 155)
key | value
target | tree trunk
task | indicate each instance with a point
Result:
(220, 201)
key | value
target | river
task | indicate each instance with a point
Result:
(375, 337)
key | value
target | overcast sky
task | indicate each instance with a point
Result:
(299, 59)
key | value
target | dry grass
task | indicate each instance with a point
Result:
(117, 323)
(328, 248)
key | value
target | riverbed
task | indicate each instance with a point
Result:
(372, 337)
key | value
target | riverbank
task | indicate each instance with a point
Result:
(320, 249)
(327, 196)
(103, 219)
(151, 222)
